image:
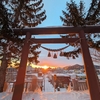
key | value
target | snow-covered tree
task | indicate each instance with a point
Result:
(75, 15)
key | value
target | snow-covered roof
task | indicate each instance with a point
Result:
(59, 74)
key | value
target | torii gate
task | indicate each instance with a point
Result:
(92, 80)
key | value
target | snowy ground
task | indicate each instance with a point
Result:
(48, 93)
(49, 96)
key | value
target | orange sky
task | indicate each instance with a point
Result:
(58, 62)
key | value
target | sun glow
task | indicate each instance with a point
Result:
(45, 67)
(42, 66)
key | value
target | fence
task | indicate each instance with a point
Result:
(11, 86)
(79, 84)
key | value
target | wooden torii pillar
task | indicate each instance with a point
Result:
(19, 85)
(92, 80)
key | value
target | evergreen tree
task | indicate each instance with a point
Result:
(27, 13)
(76, 16)
(23, 13)
(4, 31)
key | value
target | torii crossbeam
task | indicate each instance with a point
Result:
(92, 80)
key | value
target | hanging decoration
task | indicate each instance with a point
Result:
(49, 54)
(55, 55)
(61, 53)
(69, 54)
(73, 54)
(55, 50)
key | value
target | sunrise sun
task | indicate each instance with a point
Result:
(45, 67)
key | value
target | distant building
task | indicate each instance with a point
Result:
(62, 80)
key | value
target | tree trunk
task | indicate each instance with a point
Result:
(3, 72)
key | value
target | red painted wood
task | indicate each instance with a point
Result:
(19, 85)
(58, 30)
(55, 40)
(92, 80)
